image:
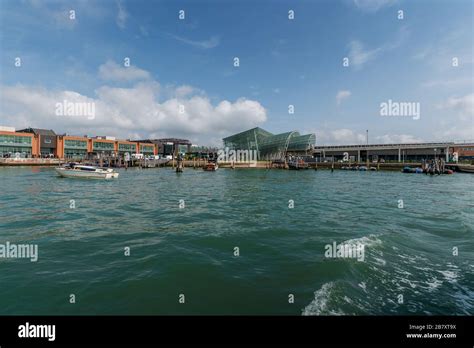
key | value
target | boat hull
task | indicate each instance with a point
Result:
(466, 169)
(211, 167)
(68, 173)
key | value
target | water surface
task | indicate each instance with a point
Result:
(190, 251)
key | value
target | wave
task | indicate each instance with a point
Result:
(370, 240)
(320, 304)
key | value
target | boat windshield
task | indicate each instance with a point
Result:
(90, 169)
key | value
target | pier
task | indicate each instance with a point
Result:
(200, 163)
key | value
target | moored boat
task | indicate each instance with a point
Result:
(466, 168)
(211, 167)
(74, 170)
(297, 164)
(411, 170)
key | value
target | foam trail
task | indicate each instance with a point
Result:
(320, 306)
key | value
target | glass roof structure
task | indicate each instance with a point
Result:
(271, 146)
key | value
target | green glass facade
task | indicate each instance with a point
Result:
(15, 140)
(270, 146)
(12, 150)
(248, 140)
(103, 146)
(75, 144)
(300, 143)
(148, 149)
(75, 153)
(12, 144)
(75, 148)
(131, 148)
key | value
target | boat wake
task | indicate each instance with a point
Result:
(389, 281)
(321, 303)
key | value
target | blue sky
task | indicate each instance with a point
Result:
(190, 62)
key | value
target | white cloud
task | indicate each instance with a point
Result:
(135, 112)
(342, 136)
(372, 6)
(341, 95)
(448, 83)
(63, 20)
(122, 15)
(183, 91)
(205, 44)
(459, 125)
(464, 106)
(397, 139)
(445, 45)
(112, 71)
(359, 55)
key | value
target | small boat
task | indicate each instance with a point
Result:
(363, 168)
(411, 170)
(211, 167)
(466, 168)
(74, 170)
(297, 164)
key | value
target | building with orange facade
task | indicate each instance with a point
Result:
(73, 146)
(35, 142)
(46, 141)
(12, 142)
(464, 151)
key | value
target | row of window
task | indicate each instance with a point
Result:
(15, 139)
(11, 150)
(127, 147)
(75, 153)
(146, 149)
(78, 144)
(98, 145)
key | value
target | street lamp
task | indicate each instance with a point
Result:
(367, 150)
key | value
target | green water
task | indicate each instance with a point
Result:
(190, 251)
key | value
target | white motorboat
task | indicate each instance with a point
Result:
(73, 170)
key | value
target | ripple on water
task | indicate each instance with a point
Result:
(408, 251)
